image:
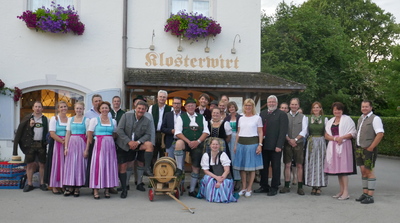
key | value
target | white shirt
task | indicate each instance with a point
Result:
(179, 124)
(160, 115)
(225, 161)
(376, 124)
(249, 125)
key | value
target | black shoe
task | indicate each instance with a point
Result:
(124, 194)
(193, 194)
(272, 192)
(140, 187)
(368, 200)
(178, 172)
(147, 172)
(67, 193)
(261, 190)
(120, 188)
(113, 191)
(28, 188)
(43, 187)
(362, 197)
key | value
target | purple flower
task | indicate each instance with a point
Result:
(55, 19)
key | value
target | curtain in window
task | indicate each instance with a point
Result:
(201, 6)
(35, 4)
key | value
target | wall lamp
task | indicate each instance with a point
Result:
(152, 47)
(233, 50)
(207, 49)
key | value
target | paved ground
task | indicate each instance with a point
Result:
(39, 206)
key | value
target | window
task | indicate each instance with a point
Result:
(199, 6)
(49, 99)
(35, 4)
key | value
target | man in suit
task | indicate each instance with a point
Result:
(31, 138)
(202, 109)
(168, 127)
(275, 129)
(369, 135)
(134, 141)
(158, 111)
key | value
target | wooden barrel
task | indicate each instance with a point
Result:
(164, 169)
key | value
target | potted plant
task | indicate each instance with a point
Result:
(55, 19)
(192, 25)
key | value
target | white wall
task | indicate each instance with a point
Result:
(88, 63)
(235, 17)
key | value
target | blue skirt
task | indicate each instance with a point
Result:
(246, 158)
(223, 194)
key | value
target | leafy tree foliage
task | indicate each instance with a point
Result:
(314, 44)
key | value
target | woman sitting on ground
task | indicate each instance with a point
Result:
(216, 185)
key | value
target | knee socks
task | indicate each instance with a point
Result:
(179, 158)
(193, 181)
(371, 184)
(122, 178)
(148, 156)
(140, 171)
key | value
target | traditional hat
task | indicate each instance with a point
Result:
(139, 97)
(214, 102)
(190, 100)
(16, 159)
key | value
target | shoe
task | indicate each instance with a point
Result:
(242, 192)
(368, 200)
(178, 172)
(318, 192)
(124, 194)
(76, 193)
(300, 191)
(193, 194)
(313, 191)
(96, 196)
(262, 190)
(28, 188)
(343, 198)
(337, 195)
(272, 192)
(112, 191)
(120, 188)
(147, 172)
(362, 197)
(58, 192)
(43, 187)
(107, 193)
(247, 194)
(140, 187)
(67, 193)
(284, 190)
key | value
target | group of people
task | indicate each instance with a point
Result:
(101, 148)
(319, 147)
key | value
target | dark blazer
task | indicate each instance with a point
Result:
(207, 113)
(167, 127)
(24, 134)
(275, 130)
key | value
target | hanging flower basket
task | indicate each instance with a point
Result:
(192, 25)
(15, 93)
(55, 19)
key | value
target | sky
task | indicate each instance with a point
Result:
(392, 6)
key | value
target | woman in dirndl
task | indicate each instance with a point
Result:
(216, 185)
(340, 130)
(57, 129)
(314, 174)
(233, 119)
(103, 167)
(75, 140)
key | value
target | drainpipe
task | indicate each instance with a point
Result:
(124, 45)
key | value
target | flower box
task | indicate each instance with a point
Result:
(55, 19)
(192, 25)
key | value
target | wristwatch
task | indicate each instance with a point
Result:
(260, 144)
(295, 139)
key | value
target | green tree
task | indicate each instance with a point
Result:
(314, 44)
